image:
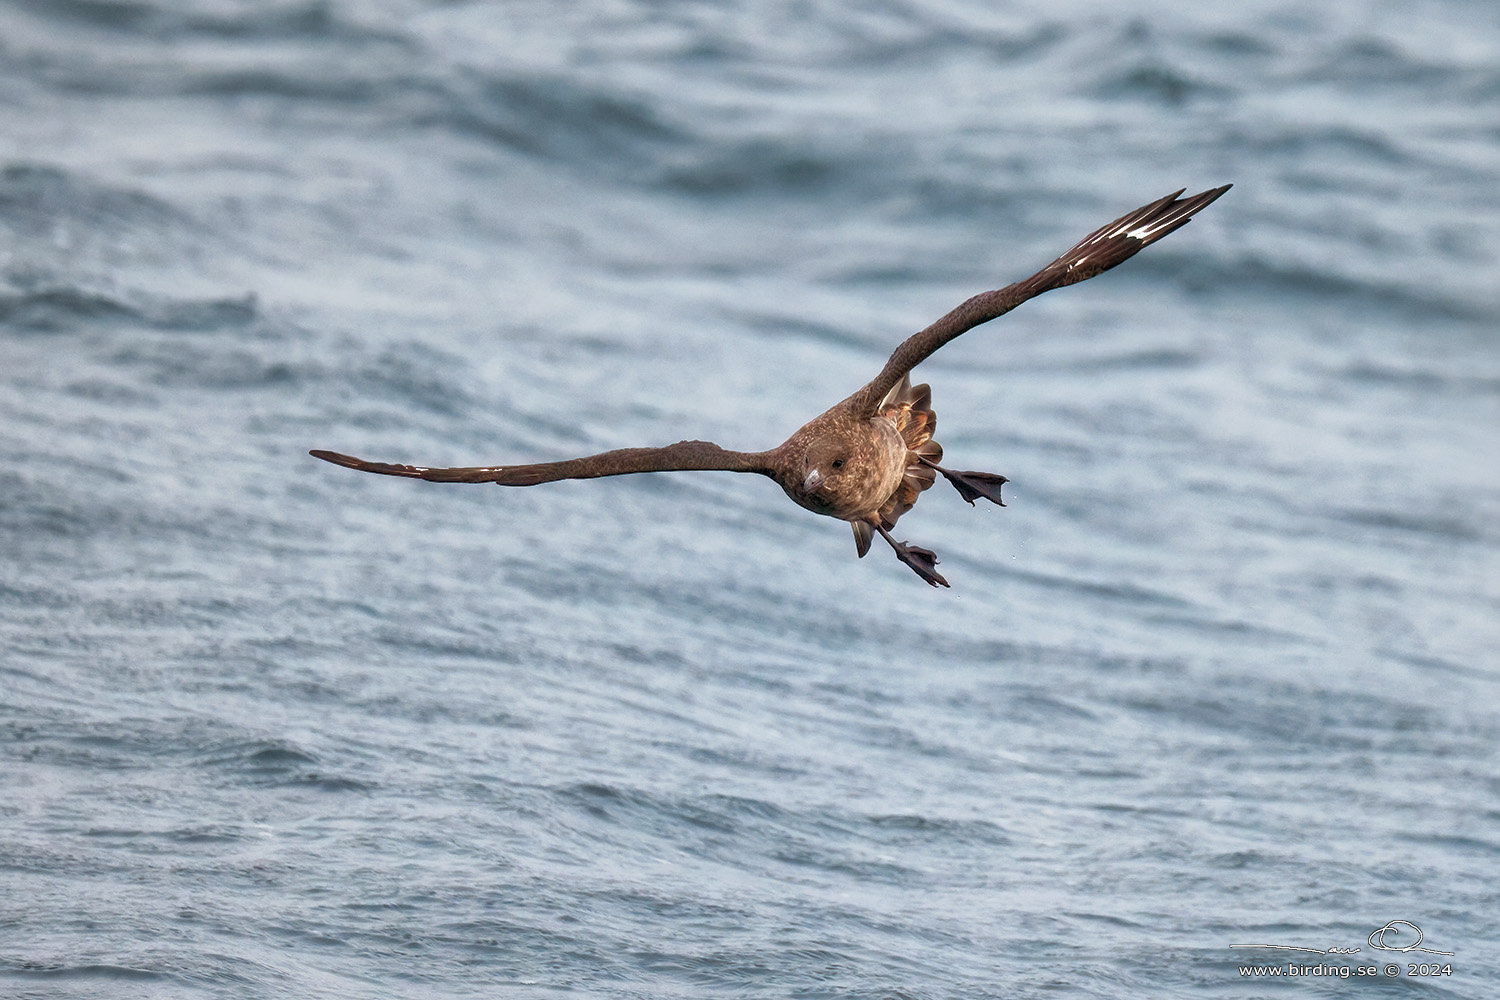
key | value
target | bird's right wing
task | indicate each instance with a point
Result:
(682, 456)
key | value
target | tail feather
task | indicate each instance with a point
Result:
(910, 409)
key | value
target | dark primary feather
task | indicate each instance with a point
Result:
(1096, 253)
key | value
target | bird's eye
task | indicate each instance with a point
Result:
(838, 463)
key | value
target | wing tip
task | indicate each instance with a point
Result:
(347, 461)
(379, 468)
(1193, 204)
(1129, 234)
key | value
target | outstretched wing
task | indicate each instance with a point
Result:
(682, 456)
(1095, 253)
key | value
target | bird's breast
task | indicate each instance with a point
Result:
(875, 463)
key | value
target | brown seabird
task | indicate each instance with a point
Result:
(868, 458)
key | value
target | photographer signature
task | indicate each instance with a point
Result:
(1380, 939)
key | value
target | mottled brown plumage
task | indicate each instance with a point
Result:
(867, 459)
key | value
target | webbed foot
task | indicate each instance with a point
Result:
(922, 561)
(974, 485)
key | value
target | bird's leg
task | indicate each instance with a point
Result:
(972, 485)
(922, 561)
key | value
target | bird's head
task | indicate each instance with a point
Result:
(824, 473)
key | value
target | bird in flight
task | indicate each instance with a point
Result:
(868, 458)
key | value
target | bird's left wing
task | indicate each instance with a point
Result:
(1094, 254)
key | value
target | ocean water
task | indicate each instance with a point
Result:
(1224, 672)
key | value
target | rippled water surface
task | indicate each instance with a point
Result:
(1223, 673)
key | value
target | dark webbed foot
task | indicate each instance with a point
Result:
(973, 485)
(922, 561)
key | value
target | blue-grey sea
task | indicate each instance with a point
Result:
(1224, 673)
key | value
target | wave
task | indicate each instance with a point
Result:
(174, 20)
(35, 197)
(736, 828)
(105, 971)
(1389, 295)
(65, 309)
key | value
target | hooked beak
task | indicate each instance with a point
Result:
(812, 482)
